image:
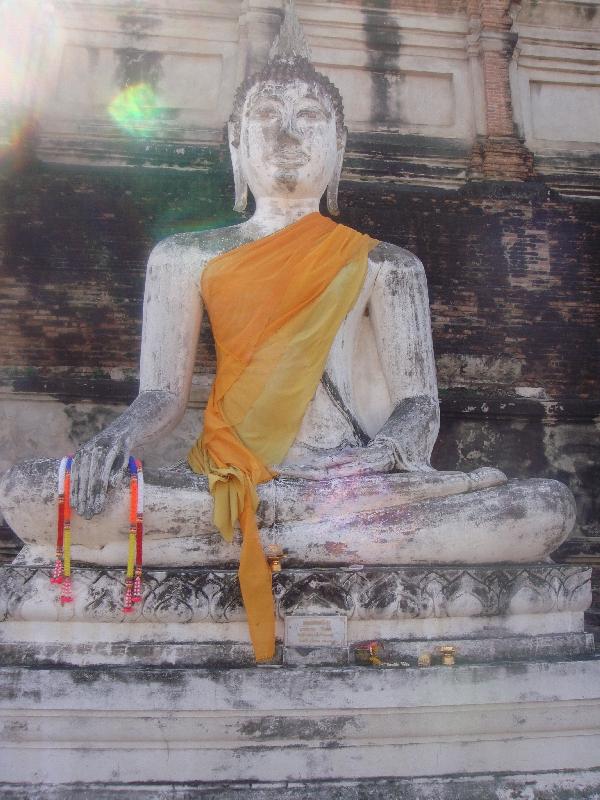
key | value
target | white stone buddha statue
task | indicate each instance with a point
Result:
(356, 486)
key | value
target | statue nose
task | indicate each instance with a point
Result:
(289, 131)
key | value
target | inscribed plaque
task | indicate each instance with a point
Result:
(315, 631)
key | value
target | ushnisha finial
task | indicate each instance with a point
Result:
(291, 43)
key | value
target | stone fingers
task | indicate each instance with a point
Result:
(75, 471)
(344, 456)
(80, 471)
(118, 465)
(366, 462)
(302, 471)
(342, 463)
(100, 469)
(329, 458)
(92, 464)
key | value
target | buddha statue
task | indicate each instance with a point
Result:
(355, 485)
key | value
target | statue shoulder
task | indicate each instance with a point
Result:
(387, 257)
(195, 248)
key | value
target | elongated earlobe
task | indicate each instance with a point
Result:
(241, 186)
(334, 183)
(239, 179)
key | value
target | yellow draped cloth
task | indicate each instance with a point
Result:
(275, 306)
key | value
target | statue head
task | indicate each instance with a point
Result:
(286, 131)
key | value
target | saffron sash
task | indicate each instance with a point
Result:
(275, 306)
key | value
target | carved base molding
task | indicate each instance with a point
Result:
(184, 596)
(196, 616)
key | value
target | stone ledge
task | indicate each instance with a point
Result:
(69, 652)
(295, 724)
(584, 785)
(267, 689)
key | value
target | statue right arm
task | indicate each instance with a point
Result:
(170, 330)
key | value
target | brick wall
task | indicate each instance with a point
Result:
(74, 248)
(497, 94)
(513, 269)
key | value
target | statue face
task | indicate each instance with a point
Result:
(288, 141)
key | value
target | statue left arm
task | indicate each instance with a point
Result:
(399, 313)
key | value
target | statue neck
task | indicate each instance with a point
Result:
(274, 213)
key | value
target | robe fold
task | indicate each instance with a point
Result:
(275, 306)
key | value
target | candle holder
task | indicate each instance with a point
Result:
(368, 654)
(274, 555)
(424, 660)
(448, 654)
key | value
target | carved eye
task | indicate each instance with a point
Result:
(265, 112)
(310, 114)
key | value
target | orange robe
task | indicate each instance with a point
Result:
(275, 306)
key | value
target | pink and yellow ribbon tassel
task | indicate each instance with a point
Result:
(57, 573)
(139, 533)
(133, 508)
(66, 594)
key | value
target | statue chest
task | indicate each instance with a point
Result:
(336, 415)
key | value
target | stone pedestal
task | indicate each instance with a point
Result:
(280, 726)
(167, 703)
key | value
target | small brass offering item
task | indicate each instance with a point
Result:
(448, 653)
(274, 556)
(367, 653)
(424, 660)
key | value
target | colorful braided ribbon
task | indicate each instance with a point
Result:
(133, 576)
(61, 574)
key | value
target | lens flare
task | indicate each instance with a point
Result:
(135, 110)
(30, 38)
(17, 142)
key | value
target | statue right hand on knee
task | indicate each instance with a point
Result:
(98, 464)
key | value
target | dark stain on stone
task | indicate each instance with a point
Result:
(14, 691)
(383, 46)
(88, 676)
(587, 11)
(382, 594)
(138, 66)
(138, 25)
(304, 728)
(392, 282)
(488, 787)
(516, 512)
(13, 728)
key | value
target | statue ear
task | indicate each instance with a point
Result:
(239, 179)
(334, 183)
